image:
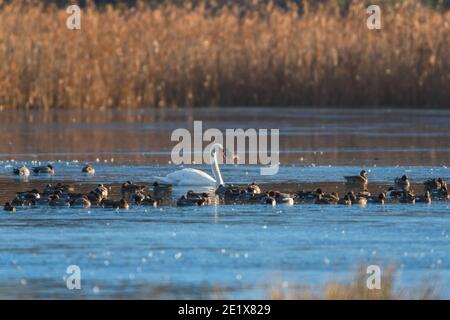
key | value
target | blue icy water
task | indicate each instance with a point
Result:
(231, 251)
(241, 248)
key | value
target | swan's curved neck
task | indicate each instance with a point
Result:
(215, 167)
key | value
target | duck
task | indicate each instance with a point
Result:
(393, 194)
(222, 190)
(320, 199)
(191, 195)
(149, 201)
(82, 202)
(21, 202)
(229, 194)
(185, 202)
(48, 169)
(326, 198)
(130, 187)
(308, 196)
(161, 190)
(402, 183)
(441, 194)
(365, 193)
(144, 200)
(282, 198)
(434, 184)
(88, 169)
(120, 204)
(333, 196)
(22, 171)
(380, 199)
(8, 207)
(253, 188)
(73, 196)
(266, 199)
(30, 195)
(355, 199)
(102, 190)
(94, 197)
(138, 197)
(49, 189)
(59, 187)
(407, 197)
(345, 201)
(55, 200)
(426, 198)
(248, 197)
(361, 180)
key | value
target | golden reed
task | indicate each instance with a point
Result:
(188, 56)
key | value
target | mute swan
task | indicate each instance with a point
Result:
(194, 177)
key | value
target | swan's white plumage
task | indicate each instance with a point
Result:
(189, 177)
(194, 177)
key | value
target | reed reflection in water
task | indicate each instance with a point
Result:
(308, 136)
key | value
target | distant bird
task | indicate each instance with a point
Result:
(392, 194)
(94, 198)
(345, 201)
(308, 196)
(407, 197)
(30, 195)
(88, 169)
(9, 207)
(426, 198)
(138, 197)
(120, 204)
(355, 199)
(223, 190)
(144, 200)
(161, 187)
(402, 183)
(149, 201)
(102, 191)
(380, 199)
(130, 187)
(321, 199)
(22, 171)
(282, 198)
(184, 201)
(82, 202)
(203, 197)
(21, 202)
(361, 180)
(56, 201)
(266, 199)
(441, 194)
(435, 184)
(253, 188)
(49, 189)
(44, 170)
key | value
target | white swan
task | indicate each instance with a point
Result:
(194, 177)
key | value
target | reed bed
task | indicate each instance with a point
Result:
(177, 56)
(353, 288)
(356, 289)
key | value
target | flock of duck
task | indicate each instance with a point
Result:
(61, 195)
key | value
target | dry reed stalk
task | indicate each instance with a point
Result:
(183, 56)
